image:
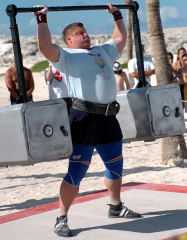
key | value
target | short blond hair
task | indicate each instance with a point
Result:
(70, 28)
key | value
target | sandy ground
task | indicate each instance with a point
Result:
(27, 186)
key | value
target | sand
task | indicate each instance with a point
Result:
(27, 186)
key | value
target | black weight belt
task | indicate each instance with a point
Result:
(96, 108)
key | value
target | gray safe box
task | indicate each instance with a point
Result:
(151, 113)
(34, 132)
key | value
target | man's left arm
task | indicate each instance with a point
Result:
(119, 34)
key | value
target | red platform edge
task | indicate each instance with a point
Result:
(92, 196)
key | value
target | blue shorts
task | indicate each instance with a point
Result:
(91, 131)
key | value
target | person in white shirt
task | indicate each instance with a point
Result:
(149, 70)
(56, 85)
(122, 81)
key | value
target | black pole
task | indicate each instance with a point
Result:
(138, 46)
(11, 12)
(73, 8)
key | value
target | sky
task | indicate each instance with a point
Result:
(173, 14)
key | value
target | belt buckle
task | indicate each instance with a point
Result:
(107, 109)
(113, 107)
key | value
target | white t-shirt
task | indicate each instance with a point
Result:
(88, 74)
(132, 67)
(56, 87)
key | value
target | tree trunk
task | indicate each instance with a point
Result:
(163, 76)
(129, 44)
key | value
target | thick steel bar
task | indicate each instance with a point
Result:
(12, 10)
(74, 8)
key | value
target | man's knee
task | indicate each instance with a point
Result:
(114, 168)
(76, 171)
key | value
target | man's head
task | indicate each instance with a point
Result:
(184, 59)
(184, 74)
(75, 36)
(170, 58)
(180, 52)
(117, 68)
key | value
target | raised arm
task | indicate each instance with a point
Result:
(119, 34)
(45, 45)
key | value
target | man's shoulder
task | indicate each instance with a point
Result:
(26, 69)
(10, 70)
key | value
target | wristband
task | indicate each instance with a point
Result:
(41, 18)
(117, 15)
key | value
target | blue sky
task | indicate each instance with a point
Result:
(173, 14)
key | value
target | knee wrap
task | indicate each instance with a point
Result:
(114, 169)
(76, 172)
(78, 164)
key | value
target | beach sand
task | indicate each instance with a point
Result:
(27, 186)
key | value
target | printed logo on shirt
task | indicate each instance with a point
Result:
(57, 75)
(101, 63)
(94, 55)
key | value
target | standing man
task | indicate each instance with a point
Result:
(88, 73)
(149, 69)
(12, 84)
(122, 81)
(56, 85)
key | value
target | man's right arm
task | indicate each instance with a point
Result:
(49, 50)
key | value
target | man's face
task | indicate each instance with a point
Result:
(184, 59)
(184, 74)
(79, 38)
(182, 52)
(170, 59)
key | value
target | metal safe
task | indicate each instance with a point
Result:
(34, 132)
(151, 113)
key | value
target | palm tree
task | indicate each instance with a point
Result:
(163, 75)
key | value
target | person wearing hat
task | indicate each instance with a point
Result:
(122, 82)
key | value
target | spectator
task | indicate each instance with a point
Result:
(56, 85)
(174, 75)
(13, 87)
(133, 69)
(122, 82)
(177, 66)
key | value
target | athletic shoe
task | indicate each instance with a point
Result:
(116, 211)
(61, 227)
